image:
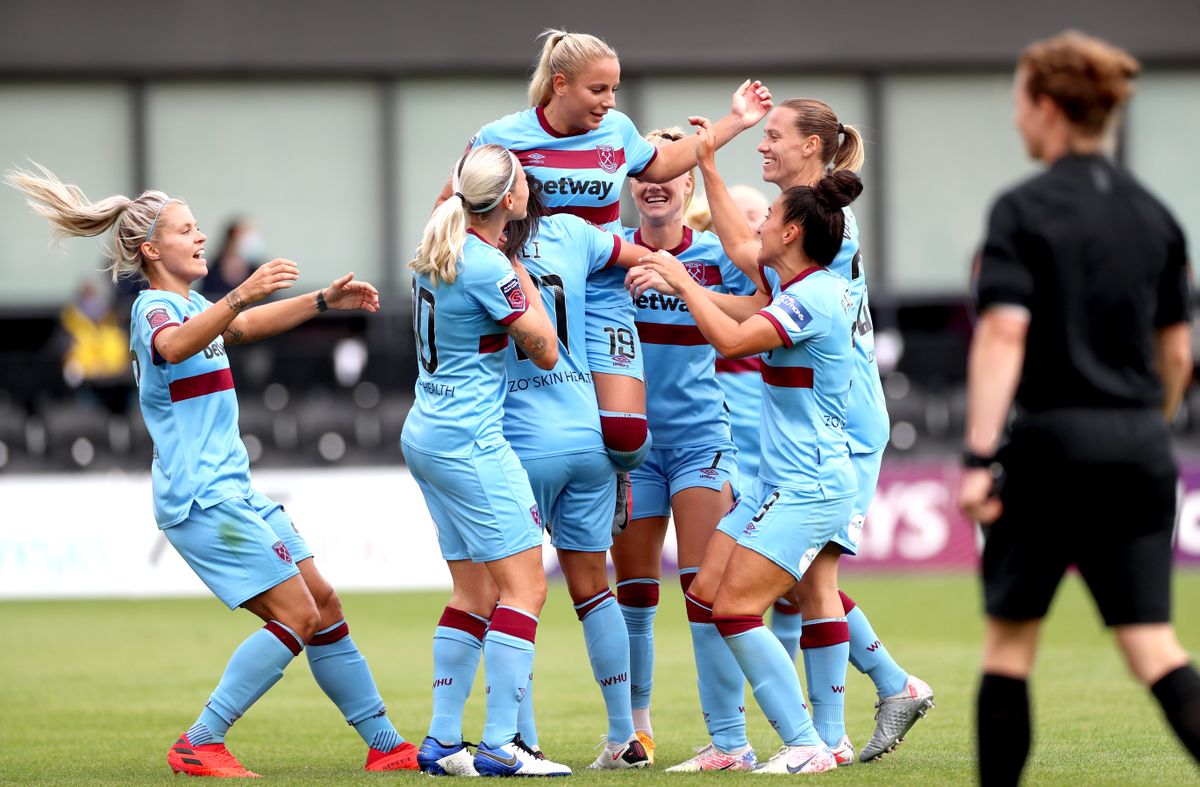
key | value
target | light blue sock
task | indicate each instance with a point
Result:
(526, 725)
(785, 625)
(254, 667)
(719, 678)
(639, 622)
(825, 673)
(342, 673)
(608, 650)
(870, 657)
(775, 684)
(455, 661)
(507, 662)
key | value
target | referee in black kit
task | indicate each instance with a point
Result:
(1083, 302)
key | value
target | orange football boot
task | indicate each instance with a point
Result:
(211, 759)
(401, 758)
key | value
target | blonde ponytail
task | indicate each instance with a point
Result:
(567, 54)
(851, 153)
(72, 215)
(481, 180)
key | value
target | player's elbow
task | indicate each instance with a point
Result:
(548, 359)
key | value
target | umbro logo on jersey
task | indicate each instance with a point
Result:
(710, 473)
(535, 158)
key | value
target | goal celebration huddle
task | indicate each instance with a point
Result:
(710, 366)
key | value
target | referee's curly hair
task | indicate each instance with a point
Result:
(1086, 77)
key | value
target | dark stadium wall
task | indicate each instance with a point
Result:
(59, 37)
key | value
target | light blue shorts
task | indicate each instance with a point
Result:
(576, 494)
(240, 547)
(786, 526)
(613, 346)
(481, 504)
(866, 472)
(670, 470)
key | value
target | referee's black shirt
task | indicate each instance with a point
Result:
(1101, 265)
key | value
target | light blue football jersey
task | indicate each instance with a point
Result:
(190, 409)
(806, 386)
(581, 174)
(867, 425)
(555, 412)
(684, 402)
(461, 339)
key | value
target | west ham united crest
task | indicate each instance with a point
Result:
(607, 158)
(696, 270)
(282, 550)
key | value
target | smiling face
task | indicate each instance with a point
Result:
(662, 203)
(176, 253)
(586, 99)
(783, 148)
(775, 236)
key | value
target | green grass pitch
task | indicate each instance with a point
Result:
(95, 691)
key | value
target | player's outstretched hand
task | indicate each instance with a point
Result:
(278, 274)
(706, 142)
(640, 278)
(751, 102)
(669, 269)
(347, 294)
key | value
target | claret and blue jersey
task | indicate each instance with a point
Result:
(461, 339)
(684, 401)
(581, 174)
(190, 409)
(807, 384)
(868, 426)
(547, 413)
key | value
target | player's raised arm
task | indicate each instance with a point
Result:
(751, 102)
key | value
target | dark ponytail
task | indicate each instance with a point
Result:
(818, 210)
(518, 232)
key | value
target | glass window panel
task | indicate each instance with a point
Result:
(950, 148)
(435, 119)
(299, 160)
(1164, 121)
(82, 133)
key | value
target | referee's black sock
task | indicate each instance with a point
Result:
(1178, 692)
(1002, 718)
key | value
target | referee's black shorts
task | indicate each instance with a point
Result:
(1091, 489)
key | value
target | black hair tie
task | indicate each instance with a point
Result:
(841, 129)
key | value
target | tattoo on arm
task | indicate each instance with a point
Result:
(534, 346)
(234, 301)
(233, 336)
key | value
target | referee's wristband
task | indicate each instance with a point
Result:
(974, 461)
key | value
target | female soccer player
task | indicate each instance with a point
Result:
(569, 470)
(802, 139)
(239, 542)
(580, 149)
(692, 469)
(468, 299)
(806, 485)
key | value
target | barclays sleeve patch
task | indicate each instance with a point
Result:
(510, 288)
